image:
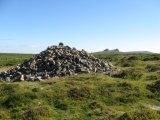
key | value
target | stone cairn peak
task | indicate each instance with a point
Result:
(57, 61)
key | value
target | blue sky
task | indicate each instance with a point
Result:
(29, 26)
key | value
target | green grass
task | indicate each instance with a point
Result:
(86, 96)
(7, 59)
(125, 95)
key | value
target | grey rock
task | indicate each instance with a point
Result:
(27, 76)
(60, 44)
(39, 79)
(7, 79)
(85, 71)
(32, 78)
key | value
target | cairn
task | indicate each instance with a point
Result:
(57, 61)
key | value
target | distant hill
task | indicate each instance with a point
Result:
(116, 51)
(145, 52)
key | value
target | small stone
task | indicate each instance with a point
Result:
(31, 78)
(39, 104)
(22, 78)
(39, 79)
(60, 44)
(8, 79)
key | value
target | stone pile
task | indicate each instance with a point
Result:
(57, 61)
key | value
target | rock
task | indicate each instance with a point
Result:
(22, 78)
(57, 61)
(85, 71)
(7, 79)
(39, 79)
(32, 78)
(27, 77)
(61, 44)
(39, 104)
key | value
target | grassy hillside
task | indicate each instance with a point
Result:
(132, 93)
(109, 52)
(142, 52)
(8, 59)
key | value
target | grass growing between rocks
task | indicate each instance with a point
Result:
(126, 95)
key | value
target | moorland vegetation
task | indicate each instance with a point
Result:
(133, 93)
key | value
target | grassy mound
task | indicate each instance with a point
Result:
(86, 96)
